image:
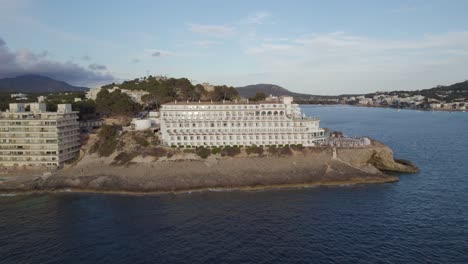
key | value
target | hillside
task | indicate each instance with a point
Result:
(461, 86)
(251, 90)
(276, 90)
(36, 84)
(447, 93)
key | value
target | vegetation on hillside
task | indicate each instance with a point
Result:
(115, 103)
(107, 140)
(259, 96)
(162, 90)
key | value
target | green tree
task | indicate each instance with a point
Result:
(259, 96)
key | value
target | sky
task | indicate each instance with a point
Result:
(317, 47)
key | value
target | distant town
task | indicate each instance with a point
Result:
(403, 100)
(441, 98)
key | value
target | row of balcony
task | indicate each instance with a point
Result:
(241, 131)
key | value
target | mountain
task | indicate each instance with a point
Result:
(251, 90)
(36, 84)
(461, 86)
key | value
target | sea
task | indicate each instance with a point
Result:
(423, 218)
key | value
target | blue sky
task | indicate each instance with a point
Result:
(319, 47)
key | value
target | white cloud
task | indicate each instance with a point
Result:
(257, 18)
(158, 53)
(219, 31)
(345, 63)
(97, 67)
(206, 43)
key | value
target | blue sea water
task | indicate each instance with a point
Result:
(423, 218)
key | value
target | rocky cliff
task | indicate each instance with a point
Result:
(308, 167)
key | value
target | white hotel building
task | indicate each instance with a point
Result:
(264, 123)
(37, 137)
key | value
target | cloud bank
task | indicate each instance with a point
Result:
(24, 61)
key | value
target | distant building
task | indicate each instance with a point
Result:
(231, 123)
(38, 137)
(272, 98)
(365, 101)
(19, 96)
(135, 95)
(41, 99)
(151, 121)
(92, 93)
(208, 87)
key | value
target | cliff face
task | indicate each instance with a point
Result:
(311, 167)
(378, 155)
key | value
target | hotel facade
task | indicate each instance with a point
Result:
(37, 137)
(278, 122)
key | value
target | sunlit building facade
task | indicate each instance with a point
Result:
(279, 122)
(36, 137)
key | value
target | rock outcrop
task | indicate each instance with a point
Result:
(310, 167)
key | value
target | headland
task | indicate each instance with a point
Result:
(174, 170)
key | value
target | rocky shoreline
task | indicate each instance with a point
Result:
(310, 167)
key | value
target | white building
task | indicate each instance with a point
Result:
(92, 93)
(38, 137)
(231, 123)
(149, 122)
(19, 96)
(208, 87)
(135, 95)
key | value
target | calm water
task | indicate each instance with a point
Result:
(423, 218)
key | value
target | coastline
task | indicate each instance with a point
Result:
(321, 166)
(389, 107)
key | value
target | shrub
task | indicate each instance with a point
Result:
(286, 151)
(273, 150)
(107, 142)
(297, 147)
(148, 133)
(141, 141)
(108, 131)
(123, 158)
(254, 149)
(202, 152)
(215, 150)
(169, 155)
(230, 151)
(155, 141)
(154, 152)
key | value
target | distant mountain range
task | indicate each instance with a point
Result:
(36, 84)
(251, 90)
(460, 89)
(267, 89)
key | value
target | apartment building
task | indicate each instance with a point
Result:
(264, 123)
(36, 137)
